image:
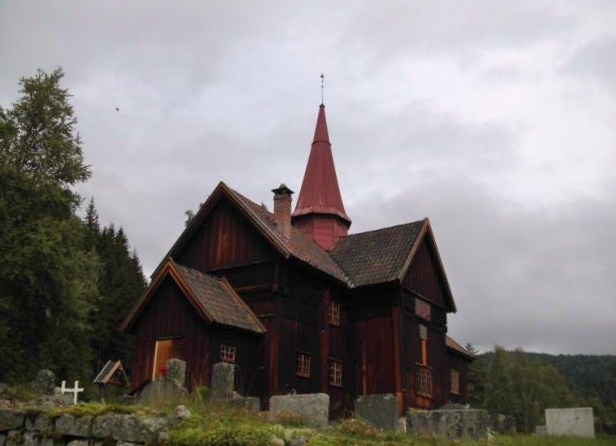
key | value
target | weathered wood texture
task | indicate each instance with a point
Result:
(423, 276)
(170, 316)
(225, 239)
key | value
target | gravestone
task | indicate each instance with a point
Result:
(311, 408)
(451, 424)
(176, 371)
(223, 377)
(574, 422)
(45, 382)
(379, 410)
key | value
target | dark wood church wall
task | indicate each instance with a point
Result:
(461, 365)
(423, 276)
(250, 377)
(169, 316)
(225, 239)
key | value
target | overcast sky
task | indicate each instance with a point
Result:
(494, 119)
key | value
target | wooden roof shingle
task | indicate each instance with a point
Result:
(376, 256)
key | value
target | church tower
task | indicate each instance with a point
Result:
(319, 212)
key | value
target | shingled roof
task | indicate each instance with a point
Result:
(457, 348)
(377, 256)
(366, 258)
(299, 245)
(213, 298)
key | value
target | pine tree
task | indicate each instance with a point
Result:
(47, 281)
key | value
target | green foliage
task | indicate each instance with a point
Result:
(55, 286)
(38, 136)
(224, 428)
(520, 383)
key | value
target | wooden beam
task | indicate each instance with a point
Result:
(395, 318)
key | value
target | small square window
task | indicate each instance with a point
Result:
(335, 372)
(455, 382)
(333, 313)
(303, 364)
(228, 353)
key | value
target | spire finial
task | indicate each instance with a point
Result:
(322, 85)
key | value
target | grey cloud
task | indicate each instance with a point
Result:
(596, 59)
(536, 277)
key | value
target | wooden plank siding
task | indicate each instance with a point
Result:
(170, 316)
(225, 239)
(424, 277)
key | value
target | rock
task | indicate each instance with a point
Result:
(301, 441)
(77, 443)
(30, 439)
(176, 371)
(275, 441)
(451, 424)
(10, 419)
(3, 387)
(223, 376)
(45, 382)
(401, 425)
(293, 434)
(379, 410)
(40, 423)
(14, 438)
(73, 426)
(127, 443)
(249, 404)
(182, 412)
(573, 422)
(312, 408)
(2, 439)
(129, 428)
(161, 390)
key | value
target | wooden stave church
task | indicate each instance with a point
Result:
(298, 304)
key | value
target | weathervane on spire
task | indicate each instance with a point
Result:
(322, 85)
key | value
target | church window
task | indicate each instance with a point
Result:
(423, 371)
(335, 372)
(455, 382)
(333, 313)
(303, 364)
(228, 353)
(422, 309)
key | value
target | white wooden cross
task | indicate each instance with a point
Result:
(75, 391)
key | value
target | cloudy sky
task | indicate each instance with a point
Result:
(494, 119)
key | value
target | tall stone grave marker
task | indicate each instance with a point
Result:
(574, 422)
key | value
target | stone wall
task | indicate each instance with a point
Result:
(452, 424)
(41, 429)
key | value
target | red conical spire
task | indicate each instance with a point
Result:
(320, 211)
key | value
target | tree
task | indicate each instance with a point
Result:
(38, 136)
(47, 281)
(518, 385)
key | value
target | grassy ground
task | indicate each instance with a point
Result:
(212, 425)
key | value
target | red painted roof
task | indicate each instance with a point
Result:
(320, 193)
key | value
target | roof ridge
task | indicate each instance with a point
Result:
(382, 229)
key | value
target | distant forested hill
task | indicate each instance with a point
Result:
(591, 379)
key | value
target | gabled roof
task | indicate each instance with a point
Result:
(367, 258)
(385, 255)
(457, 348)
(376, 256)
(213, 298)
(299, 245)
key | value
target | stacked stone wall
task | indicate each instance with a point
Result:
(19, 427)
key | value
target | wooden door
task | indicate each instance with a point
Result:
(164, 350)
